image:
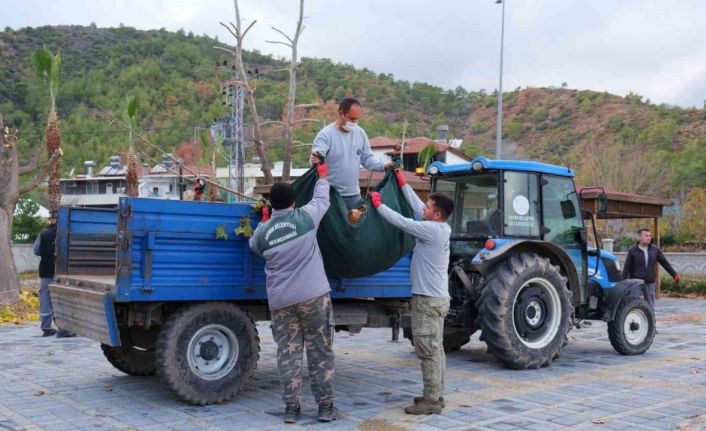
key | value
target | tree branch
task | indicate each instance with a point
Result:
(32, 164)
(307, 120)
(249, 27)
(230, 51)
(37, 180)
(229, 30)
(275, 122)
(278, 42)
(283, 34)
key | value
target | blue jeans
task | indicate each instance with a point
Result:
(651, 294)
(46, 314)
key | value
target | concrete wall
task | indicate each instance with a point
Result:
(25, 260)
(683, 263)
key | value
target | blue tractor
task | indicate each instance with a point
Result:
(522, 271)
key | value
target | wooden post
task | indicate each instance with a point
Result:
(658, 281)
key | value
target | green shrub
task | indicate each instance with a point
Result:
(689, 284)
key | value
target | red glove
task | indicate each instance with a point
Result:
(265, 213)
(677, 278)
(401, 181)
(322, 170)
(376, 199)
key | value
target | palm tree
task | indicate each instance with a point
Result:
(47, 67)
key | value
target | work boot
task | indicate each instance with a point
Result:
(291, 413)
(442, 401)
(424, 407)
(48, 332)
(64, 334)
(327, 412)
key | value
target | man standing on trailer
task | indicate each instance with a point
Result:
(298, 294)
(345, 145)
(430, 286)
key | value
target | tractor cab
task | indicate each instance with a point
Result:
(519, 248)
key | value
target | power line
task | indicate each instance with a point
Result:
(80, 133)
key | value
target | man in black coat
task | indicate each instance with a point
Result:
(44, 247)
(641, 262)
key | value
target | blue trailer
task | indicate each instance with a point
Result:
(163, 290)
(168, 287)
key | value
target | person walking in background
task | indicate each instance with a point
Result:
(641, 263)
(44, 247)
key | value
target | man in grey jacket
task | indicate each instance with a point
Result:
(298, 294)
(345, 145)
(430, 291)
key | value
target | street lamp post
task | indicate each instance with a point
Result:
(499, 135)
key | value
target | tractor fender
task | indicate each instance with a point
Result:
(486, 259)
(612, 296)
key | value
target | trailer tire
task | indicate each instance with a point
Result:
(525, 311)
(633, 329)
(130, 360)
(207, 352)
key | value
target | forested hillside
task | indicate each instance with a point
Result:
(625, 143)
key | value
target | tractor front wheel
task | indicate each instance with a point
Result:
(632, 331)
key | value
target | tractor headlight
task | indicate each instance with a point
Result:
(477, 166)
(434, 170)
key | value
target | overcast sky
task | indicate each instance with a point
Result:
(655, 48)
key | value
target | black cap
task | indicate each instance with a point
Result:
(281, 195)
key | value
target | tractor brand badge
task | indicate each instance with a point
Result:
(521, 205)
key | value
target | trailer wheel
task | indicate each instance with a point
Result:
(524, 311)
(206, 352)
(131, 360)
(632, 331)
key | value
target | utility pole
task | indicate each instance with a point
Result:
(500, 87)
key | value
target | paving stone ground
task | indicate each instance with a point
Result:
(66, 384)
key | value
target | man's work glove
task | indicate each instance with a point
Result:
(376, 199)
(322, 170)
(677, 278)
(265, 213)
(401, 181)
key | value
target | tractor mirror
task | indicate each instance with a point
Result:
(602, 205)
(567, 209)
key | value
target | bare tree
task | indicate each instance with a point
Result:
(239, 34)
(293, 64)
(10, 190)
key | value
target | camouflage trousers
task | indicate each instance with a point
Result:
(428, 315)
(306, 325)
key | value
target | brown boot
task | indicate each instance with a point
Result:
(441, 400)
(424, 407)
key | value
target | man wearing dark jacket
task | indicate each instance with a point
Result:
(641, 262)
(44, 247)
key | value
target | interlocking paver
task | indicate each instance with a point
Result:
(52, 384)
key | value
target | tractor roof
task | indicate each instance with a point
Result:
(511, 165)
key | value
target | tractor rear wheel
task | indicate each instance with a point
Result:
(524, 311)
(633, 329)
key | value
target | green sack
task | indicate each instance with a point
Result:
(366, 248)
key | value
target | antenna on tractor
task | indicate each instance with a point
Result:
(564, 162)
